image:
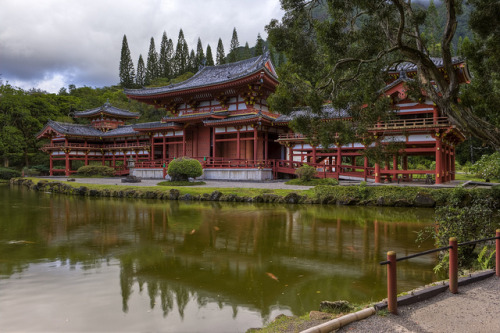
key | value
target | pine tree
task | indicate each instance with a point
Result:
(246, 54)
(233, 55)
(220, 57)
(164, 63)
(200, 56)
(192, 62)
(140, 78)
(259, 46)
(181, 55)
(152, 63)
(126, 66)
(210, 58)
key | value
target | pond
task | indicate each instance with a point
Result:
(84, 264)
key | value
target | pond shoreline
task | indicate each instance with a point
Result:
(360, 195)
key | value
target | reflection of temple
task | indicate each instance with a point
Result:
(220, 116)
(220, 253)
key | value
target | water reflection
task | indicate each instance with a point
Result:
(256, 260)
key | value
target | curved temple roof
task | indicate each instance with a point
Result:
(213, 75)
(107, 108)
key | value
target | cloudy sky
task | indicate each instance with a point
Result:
(49, 44)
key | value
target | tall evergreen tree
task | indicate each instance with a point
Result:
(152, 63)
(181, 55)
(246, 54)
(259, 46)
(200, 56)
(220, 56)
(164, 63)
(140, 78)
(233, 55)
(127, 72)
(192, 62)
(210, 58)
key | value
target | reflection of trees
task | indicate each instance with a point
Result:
(178, 252)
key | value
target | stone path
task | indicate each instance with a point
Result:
(476, 308)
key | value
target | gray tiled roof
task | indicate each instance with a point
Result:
(327, 112)
(109, 109)
(72, 129)
(210, 75)
(121, 131)
(236, 118)
(156, 124)
(409, 67)
(87, 130)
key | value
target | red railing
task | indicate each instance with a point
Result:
(412, 123)
(392, 302)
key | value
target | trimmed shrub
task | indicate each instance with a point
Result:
(6, 173)
(96, 170)
(181, 169)
(306, 172)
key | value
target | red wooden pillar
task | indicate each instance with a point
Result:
(452, 163)
(449, 165)
(51, 165)
(164, 149)
(377, 173)
(314, 154)
(392, 283)
(338, 161)
(238, 145)
(290, 153)
(214, 144)
(439, 161)
(152, 151)
(184, 142)
(114, 158)
(404, 164)
(365, 165)
(86, 157)
(395, 165)
(266, 146)
(67, 163)
(255, 144)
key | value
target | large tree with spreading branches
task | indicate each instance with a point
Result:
(340, 51)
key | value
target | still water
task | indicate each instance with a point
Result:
(81, 264)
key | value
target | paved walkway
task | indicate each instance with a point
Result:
(273, 184)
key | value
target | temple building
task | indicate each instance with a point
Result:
(220, 116)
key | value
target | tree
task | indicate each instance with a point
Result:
(152, 71)
(343, 57)
(140, 79)
(200, 56)
(127, 72)
(181, 55)
(210, 58)
(166, 54)
(220, 56)
(234, 55)
(259, 46)
(246, 54)
(483, 55)
(192, 62)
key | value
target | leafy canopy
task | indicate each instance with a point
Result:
(340, 51)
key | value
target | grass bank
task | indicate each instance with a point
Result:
(390, 196)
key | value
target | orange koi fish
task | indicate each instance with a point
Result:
(272, 276)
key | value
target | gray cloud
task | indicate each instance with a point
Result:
(52, 43)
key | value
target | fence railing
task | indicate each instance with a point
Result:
(392, 294)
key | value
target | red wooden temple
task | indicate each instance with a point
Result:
(220, 117)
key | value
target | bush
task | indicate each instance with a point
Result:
(6, 173)
(96, 170)
(305, 172)
(181, 169)
(488, 167)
